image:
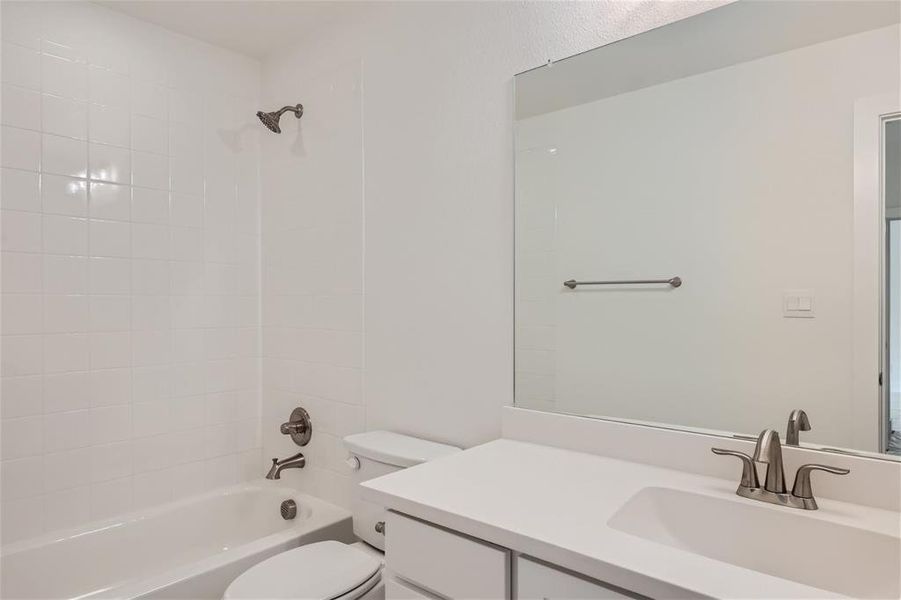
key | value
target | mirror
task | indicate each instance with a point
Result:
(752, 152)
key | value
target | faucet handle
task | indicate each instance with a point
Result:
(802, 488)
(748, 470)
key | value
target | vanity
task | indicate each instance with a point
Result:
(517, 519)
(708, 258)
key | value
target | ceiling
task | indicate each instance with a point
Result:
(251, 27)
(729, 35)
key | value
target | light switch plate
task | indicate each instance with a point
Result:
(798, 304)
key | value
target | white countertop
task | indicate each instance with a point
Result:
(555, 504)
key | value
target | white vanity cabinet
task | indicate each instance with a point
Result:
(429, 562)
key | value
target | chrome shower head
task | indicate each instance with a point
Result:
(270, 119)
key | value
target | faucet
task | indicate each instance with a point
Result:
(297, 461)
(769, 452)
(797, 422)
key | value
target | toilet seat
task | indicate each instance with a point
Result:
(321, 571)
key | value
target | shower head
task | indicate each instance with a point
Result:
(270, 119)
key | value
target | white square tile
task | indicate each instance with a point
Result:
(185, 140)
(22, 23)
(65, 274)
(187, 210)
(21, 478)
(21, 437)
(65, 392)
(21, 66)
(150, 241)
(149, 100)
(20, 190)
(67, 430)
(152, 488)
(186, 243)
(110, 201)
(20, 231)
(22, 273)
(184, 106)
(65, 314)
(21, 314)
(64, 195)
(150, 313)
(22, 519)
(110, 238)
(110, 163)
(151, 418)
(186, 278)
(187, 479)
(65, 235)
(110, 313)
(150, 206)
(21, 396)
(111, 387)
(110, 461)
(111, 498)
(68, 468)
(110, 125)
(187, 175)
(151, 348)
(65, 78)
(67, 508)
(110, 350)
(150, 277)
(109, 88)
(151, 383)
(149, 135)
(21, 148)
(64, 116)
(21, 107)
(150, 170)
(64, 156)
(65, 352)
(110, 424)
(110, 276)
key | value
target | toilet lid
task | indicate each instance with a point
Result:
(319, 571)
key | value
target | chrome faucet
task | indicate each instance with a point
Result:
(769, 452)
(298, 461)
(797, 422)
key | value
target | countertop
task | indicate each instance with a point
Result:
(555, 505)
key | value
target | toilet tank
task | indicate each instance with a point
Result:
(377, 453)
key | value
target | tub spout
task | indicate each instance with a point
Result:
(298, 461)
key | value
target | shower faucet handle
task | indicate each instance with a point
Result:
(299, 427)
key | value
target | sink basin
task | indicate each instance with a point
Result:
(782, 542)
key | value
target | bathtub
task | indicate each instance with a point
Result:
(191, 548)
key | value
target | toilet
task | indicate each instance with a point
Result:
(334, 570)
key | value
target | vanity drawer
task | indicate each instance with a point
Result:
(446, 563)
(537, 581)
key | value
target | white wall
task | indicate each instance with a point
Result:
(129, 266)
(737, 180)
(434, 154)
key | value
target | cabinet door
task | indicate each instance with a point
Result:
(446, 563)
(536, 581)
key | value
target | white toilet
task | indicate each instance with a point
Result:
(333, 570)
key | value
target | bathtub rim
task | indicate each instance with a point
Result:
(324, 515)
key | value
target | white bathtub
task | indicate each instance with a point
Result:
(192, 548)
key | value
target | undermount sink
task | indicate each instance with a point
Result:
(781, 542)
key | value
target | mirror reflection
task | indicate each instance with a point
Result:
(752, 152)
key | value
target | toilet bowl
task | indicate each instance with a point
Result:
(333, 570)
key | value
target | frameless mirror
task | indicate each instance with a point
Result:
(708, 225)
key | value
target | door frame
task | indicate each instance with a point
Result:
(869, 400)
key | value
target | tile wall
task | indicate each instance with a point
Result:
(312, 260)
(130, 266)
